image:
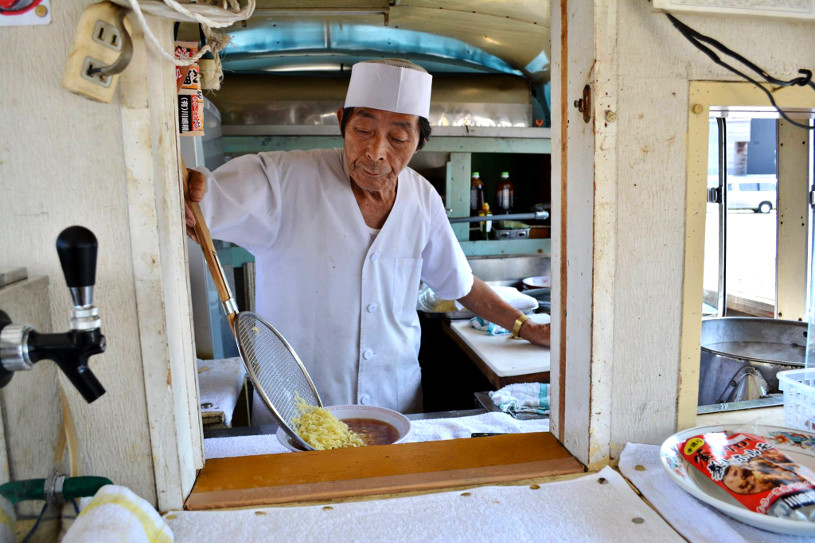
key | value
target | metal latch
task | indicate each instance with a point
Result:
(714, 195)
(812, 198)
(583, 105)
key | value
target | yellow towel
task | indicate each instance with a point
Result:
(118, 514)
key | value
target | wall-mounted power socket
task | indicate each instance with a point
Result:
(97, 43)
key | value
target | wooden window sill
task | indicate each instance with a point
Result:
(250, 481)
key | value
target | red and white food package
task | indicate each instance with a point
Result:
(754, 472)
(188, 88)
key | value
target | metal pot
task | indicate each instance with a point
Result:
(742, 355)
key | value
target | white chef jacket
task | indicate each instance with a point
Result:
(346, 304)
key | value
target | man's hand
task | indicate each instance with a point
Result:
(196, 188)
(536, 333)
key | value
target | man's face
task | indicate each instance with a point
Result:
(378, 145)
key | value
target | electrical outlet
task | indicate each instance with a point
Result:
(97, 43)
(107, 35)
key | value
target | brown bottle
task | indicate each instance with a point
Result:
(505, 194)
(476, 194)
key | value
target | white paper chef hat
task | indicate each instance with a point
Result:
(390, 85)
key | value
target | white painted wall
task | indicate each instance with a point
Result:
(643, 68)
(62, 162)
(31, 407)
(572, 234)
(656, 65)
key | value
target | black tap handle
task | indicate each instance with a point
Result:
(77, 247)
(71, 352)
(83, 379)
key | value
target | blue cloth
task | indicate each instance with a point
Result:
(490, 328)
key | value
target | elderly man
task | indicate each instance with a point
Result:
(342, 238)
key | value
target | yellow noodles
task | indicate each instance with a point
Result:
(443, 306)
(322, 430)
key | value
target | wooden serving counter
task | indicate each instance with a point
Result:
(381, 470)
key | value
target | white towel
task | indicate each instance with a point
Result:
(117, 514)
(459, 427)
(421, 430)
(695, 520)
(598, 507)
(522, 398)
(7, 521)
(220, 382)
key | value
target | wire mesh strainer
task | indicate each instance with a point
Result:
(273, 367)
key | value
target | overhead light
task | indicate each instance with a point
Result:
(305, 12)
(336, 67)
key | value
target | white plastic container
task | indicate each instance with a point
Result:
(799, 398)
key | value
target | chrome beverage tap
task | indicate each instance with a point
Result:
(21, 346)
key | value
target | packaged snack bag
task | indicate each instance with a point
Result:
(188, 88)
(758, 475)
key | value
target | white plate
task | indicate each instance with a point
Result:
(538, 281)
(342, 412)
(797, 444)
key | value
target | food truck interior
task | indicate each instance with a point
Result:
(285, 75)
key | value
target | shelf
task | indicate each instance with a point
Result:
(239, 145)
(506, 247)
(333, 130)
(238, 256)
(241, 139)
(460, 142)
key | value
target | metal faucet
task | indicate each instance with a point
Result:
(21, 346)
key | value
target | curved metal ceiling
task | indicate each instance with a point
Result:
(452, 36)
(330, 46)
(494, 36)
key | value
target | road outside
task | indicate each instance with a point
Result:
(751, 253)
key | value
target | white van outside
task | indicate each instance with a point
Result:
(756, 192)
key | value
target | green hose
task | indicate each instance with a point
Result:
(34, 489)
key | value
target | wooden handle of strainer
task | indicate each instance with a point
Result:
(210, 255)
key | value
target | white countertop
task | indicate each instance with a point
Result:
(505, 357)
(597, 507)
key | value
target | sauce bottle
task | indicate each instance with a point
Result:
(505, 194)
(486, 226)
(476, 194)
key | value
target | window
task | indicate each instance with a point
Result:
(714, 106)
(748, 148)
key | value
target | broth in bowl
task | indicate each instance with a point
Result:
(374, 425)
(373, 432)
